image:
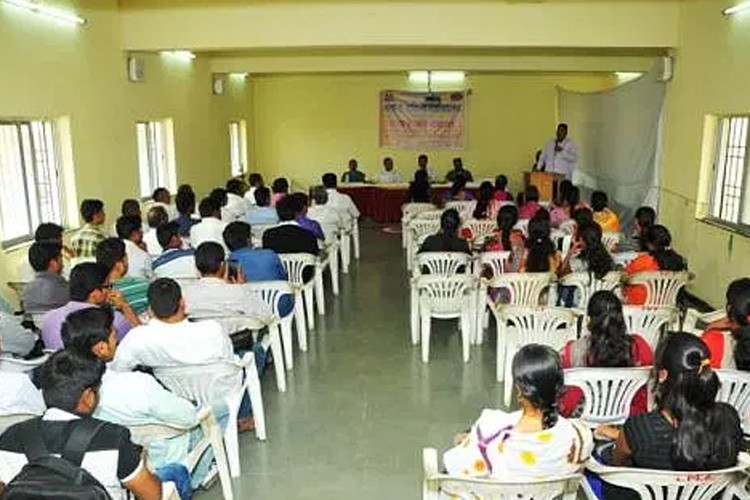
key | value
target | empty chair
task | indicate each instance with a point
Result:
(648, 322)
(735, 390)
(586, 284)
(304, 291)
(440, 486)
(662, 287)
(446, 297)
(608, 392)
(408, 212)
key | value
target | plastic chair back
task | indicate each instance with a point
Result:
(662, 287)
(480, 229)
(444, 295)
(442, 263)
(433, 215)
(648, 322)
(525, 289)
(295, 264)
(493, 261)
(608, 392)
(735, 390)
(586, 284)
(611, 240)
(465, 208)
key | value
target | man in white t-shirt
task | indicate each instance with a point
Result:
(389, 175)
(255, 181)
(340, 201)
(237, 206)
(559, 154)
(130, 231)
(211, 227)
(330, 220)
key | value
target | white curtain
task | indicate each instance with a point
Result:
(618, 133)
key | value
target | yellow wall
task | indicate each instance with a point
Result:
(711, 76)
(306, 125)
(51, 70)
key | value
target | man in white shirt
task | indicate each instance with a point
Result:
(156, 217)
(130, 231)
(211, 227)
(323, 212)
(340, 201)
(255, 181)
(389, 175)
(163, 198)
(237, 206)
(559, 154)
(176, 262)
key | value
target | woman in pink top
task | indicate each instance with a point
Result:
(531, 203)
(501, 183)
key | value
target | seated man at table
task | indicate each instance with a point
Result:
(389, 175)
(459, 171)
(353, 175)
(340, 201)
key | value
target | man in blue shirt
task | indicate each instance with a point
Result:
(257, 264)
(263, 213)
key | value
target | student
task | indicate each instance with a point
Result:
(458, 191)
(134, 398)
(656, 255)
(645, 217)
(688, 430)
(185, 202)
(289, 236)
(608, 345)
(111, 255)
(587, 254)
(221, 198)
(728, 339)
(70, 387)
(570, 198)
(324, 214)
(161, 197)
(83, 243)
(301, 206)
(49, 290)
(486, 207)
(262, 214)
(130, 231)
(89, 287)
(211, 226)
(340, 201)
(255, 180)
(446, 240)
(279, 188)
(532, 442)
(389, 175)
(530, 205)
(156, 218)
(507, 238)
(352, 175)
(603, 215)
(540, 256)
(130, 208)
(458, 171)
(236, 207)
(176, 262)
(501, 185)
(47, 232)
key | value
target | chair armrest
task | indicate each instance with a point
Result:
(430, 462)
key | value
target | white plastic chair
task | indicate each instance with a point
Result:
(525, 289)
(480, 229)
(518, 326)
(440, 486)
(446, 297)
(9, 363)
(495, 263)
(419, 230)
(586, 285)
(304, 292)
(436, 264)
(662, 287)
(648, 322)
(345, 248)
(568, 226)
(330, 262)
(608, 392)
(622, 259)
(735, 390)
(523, 226)
(433, 215)
(206, 385)
(256, 233)
(674, 485)
(465, 209)
(611, 240)
(146, 434)
(562, 240)
(271, 293)
(408, 212)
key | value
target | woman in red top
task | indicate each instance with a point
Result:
(728, 339)
(607, 346)
(506, 238)
(656, 256)
(501, 183)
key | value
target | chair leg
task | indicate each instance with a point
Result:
(333, 266)
(346, 252)
(500, 371)
(466, 333)
(309, 296)
(414, 316)
(355, 240)
(320, 297)
(287, 341)
(278, 356)
(231, 440)
(299, 316)
(425, 326)
(256, 401)
(508, 380)
(213, 431)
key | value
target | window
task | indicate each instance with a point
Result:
(730, 200)
(155, 156)
(30, 188)
(238, 147)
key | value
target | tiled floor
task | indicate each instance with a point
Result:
(360, 405)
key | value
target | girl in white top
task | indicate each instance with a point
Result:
(534, 442)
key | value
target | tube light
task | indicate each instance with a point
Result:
(238, 75)
(741, 7)
(47, 11)
(184, 55)
(422, 77)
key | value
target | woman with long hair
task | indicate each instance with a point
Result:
(541, 255)
(728, 339)
(588, 254)
(447, 239)
(608, 345)
(501, 185)
(507, 238)
(486, 205)
(656, 255)
(603, 215)
(688, 430)
(534, 441)
(529, 204)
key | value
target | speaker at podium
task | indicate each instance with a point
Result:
(545, 182)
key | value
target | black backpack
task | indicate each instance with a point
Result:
(47, 477)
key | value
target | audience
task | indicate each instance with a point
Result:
(156, 218)
(301, 206)
(221, 198)
(728, 339)
(262, 213)
(211, 226)
(289, 236)
(607, 345)
(570, 199)
(541, 255)
(130, 208)
(458, 171)
(657, 255)
(507, 238)
(176, 262)
(46, 232)
(533, 442)
(49, 290)
(89, 287)
(603, 216)
(130, 231)
(340, 201)
(185, 202)
(352, 175)
(501, 184)
(111, 255)
(255, 181)
(83, 243)
(688, 430)
(587, 254)
(458, 191)
(279, 188)
(163, 198)
(324, 214)
(236, 207)
(487, 206)
(645, 217)
(530, 205)
(70, 387)
(446, 240)
(389, 175)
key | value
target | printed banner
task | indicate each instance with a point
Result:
(422, 120)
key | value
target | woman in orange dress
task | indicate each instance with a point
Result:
(603, 215)
(728, 339)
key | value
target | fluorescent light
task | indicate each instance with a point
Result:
(424, 77)
(47, 11)
(741, 7)
(184, 55)
(627, 76)
(238, 76)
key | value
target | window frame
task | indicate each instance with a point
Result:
(159, 154)
(241, 148)
(51, 147)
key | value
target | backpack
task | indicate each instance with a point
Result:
(48, 477)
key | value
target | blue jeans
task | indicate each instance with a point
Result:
(179, 475)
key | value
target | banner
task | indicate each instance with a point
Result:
(422, 120)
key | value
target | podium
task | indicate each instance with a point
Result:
(545, 182)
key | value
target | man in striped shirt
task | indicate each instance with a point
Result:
(111, 255)
(84, 242)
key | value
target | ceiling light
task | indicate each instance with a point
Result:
(741, 7)
(238, 75)
(184, 55)
(47, 11)
(424, 77)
